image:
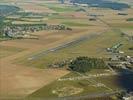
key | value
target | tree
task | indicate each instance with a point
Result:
(1, 25)
(85, 64)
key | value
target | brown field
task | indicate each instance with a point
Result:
(19, 80)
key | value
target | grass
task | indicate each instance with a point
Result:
(126, 50)
(7, 51)
(56, 17)
(25, 19)
(47, 90)
(27, 22)
(60, 8)
(75, 24)
(124, 25)
(85, 85)
(130, 19)
(4, 38)
(93, 47)
(110, 81)
(113, 82)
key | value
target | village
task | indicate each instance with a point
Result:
(118, 59)
(24, 31)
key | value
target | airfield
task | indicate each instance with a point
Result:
(24, 70)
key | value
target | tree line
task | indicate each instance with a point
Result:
(85, 64)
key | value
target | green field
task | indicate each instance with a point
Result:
(121, 25)
(93, 47)
(93, 85)
(75, 24)
(85, 85)
(60, 8)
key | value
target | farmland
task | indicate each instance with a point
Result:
(7, 51)
(93, 85)
(41, 34)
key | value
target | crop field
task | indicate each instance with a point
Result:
(24, 62)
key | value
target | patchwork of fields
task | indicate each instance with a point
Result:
(24, 63)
